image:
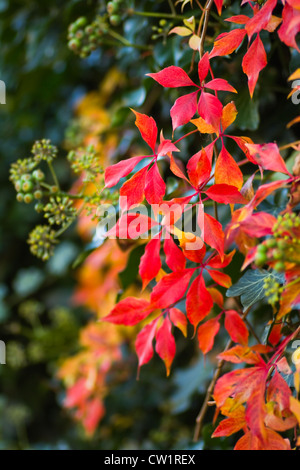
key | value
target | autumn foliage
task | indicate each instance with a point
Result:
(255, 399)
(184, 278)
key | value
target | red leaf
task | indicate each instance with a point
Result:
(268, 157)
(210, 109)
(171, 288)
(199, 168)
(131, 226)
(220, 278)
(238, 354)
(129, 312)
(225, 194)
(254, 61)
(273, 441)
(184, 109)
(226, 43)
(132, 191)
(260, 20)
(279, 392)
(220, 84)
(165, 147)
(236, 327)
(264, 191)
(198, 301)
(228, 383)
(216, 296)
(203, 67)
(155, 186)
(207, 333)
(114, 173)
(217, 263)
(227, 170)
(219, 4)
(195, 255)
(175, 259)
(179, 320)
(213, 234)
(94, 412)
(147, 127)
(172, 77)
(165, 344)
(290, 26)
(144, 343)
(238, 19)
(150, 263)
(256, 408)
(175, 168)
(259, 224)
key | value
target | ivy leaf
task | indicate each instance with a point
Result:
(250, 286)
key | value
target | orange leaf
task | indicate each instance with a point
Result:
(227, 170)
(206, 334)
(165, 344)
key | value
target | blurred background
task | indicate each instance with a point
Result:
(49, 311)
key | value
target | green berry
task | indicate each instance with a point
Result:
(79, 34)
(162, 22)
(28, 198)
(18, 186)
(115, 20)
(38, 207)
(74, 44)
(27, 186)
(38, 175)
(38, 194)
(271, 243)
(260, 259)
(279, 266)
(81, 22)
(262, 249)
(20, 197)
(112, 7)
(278, 254)
(54, 189)
(26, 177)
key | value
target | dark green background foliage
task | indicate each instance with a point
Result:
(44, 79)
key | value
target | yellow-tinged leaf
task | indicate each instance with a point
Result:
(295, 75)
(203, 126)
(190, 23)
(194, 42)
(274, 22)
(293, 121)
(161, 274)
(227, 170)
(229, 114)
(181, 31)
(288, 298)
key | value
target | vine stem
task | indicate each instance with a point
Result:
(283, 147)
(153, 14)
(53, 174)
(185, 135)
(202, 413)
(127, 43)
(205, 24)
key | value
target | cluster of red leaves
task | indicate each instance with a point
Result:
(255, 399)
(256, 58)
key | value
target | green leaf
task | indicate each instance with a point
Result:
(250, 286)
